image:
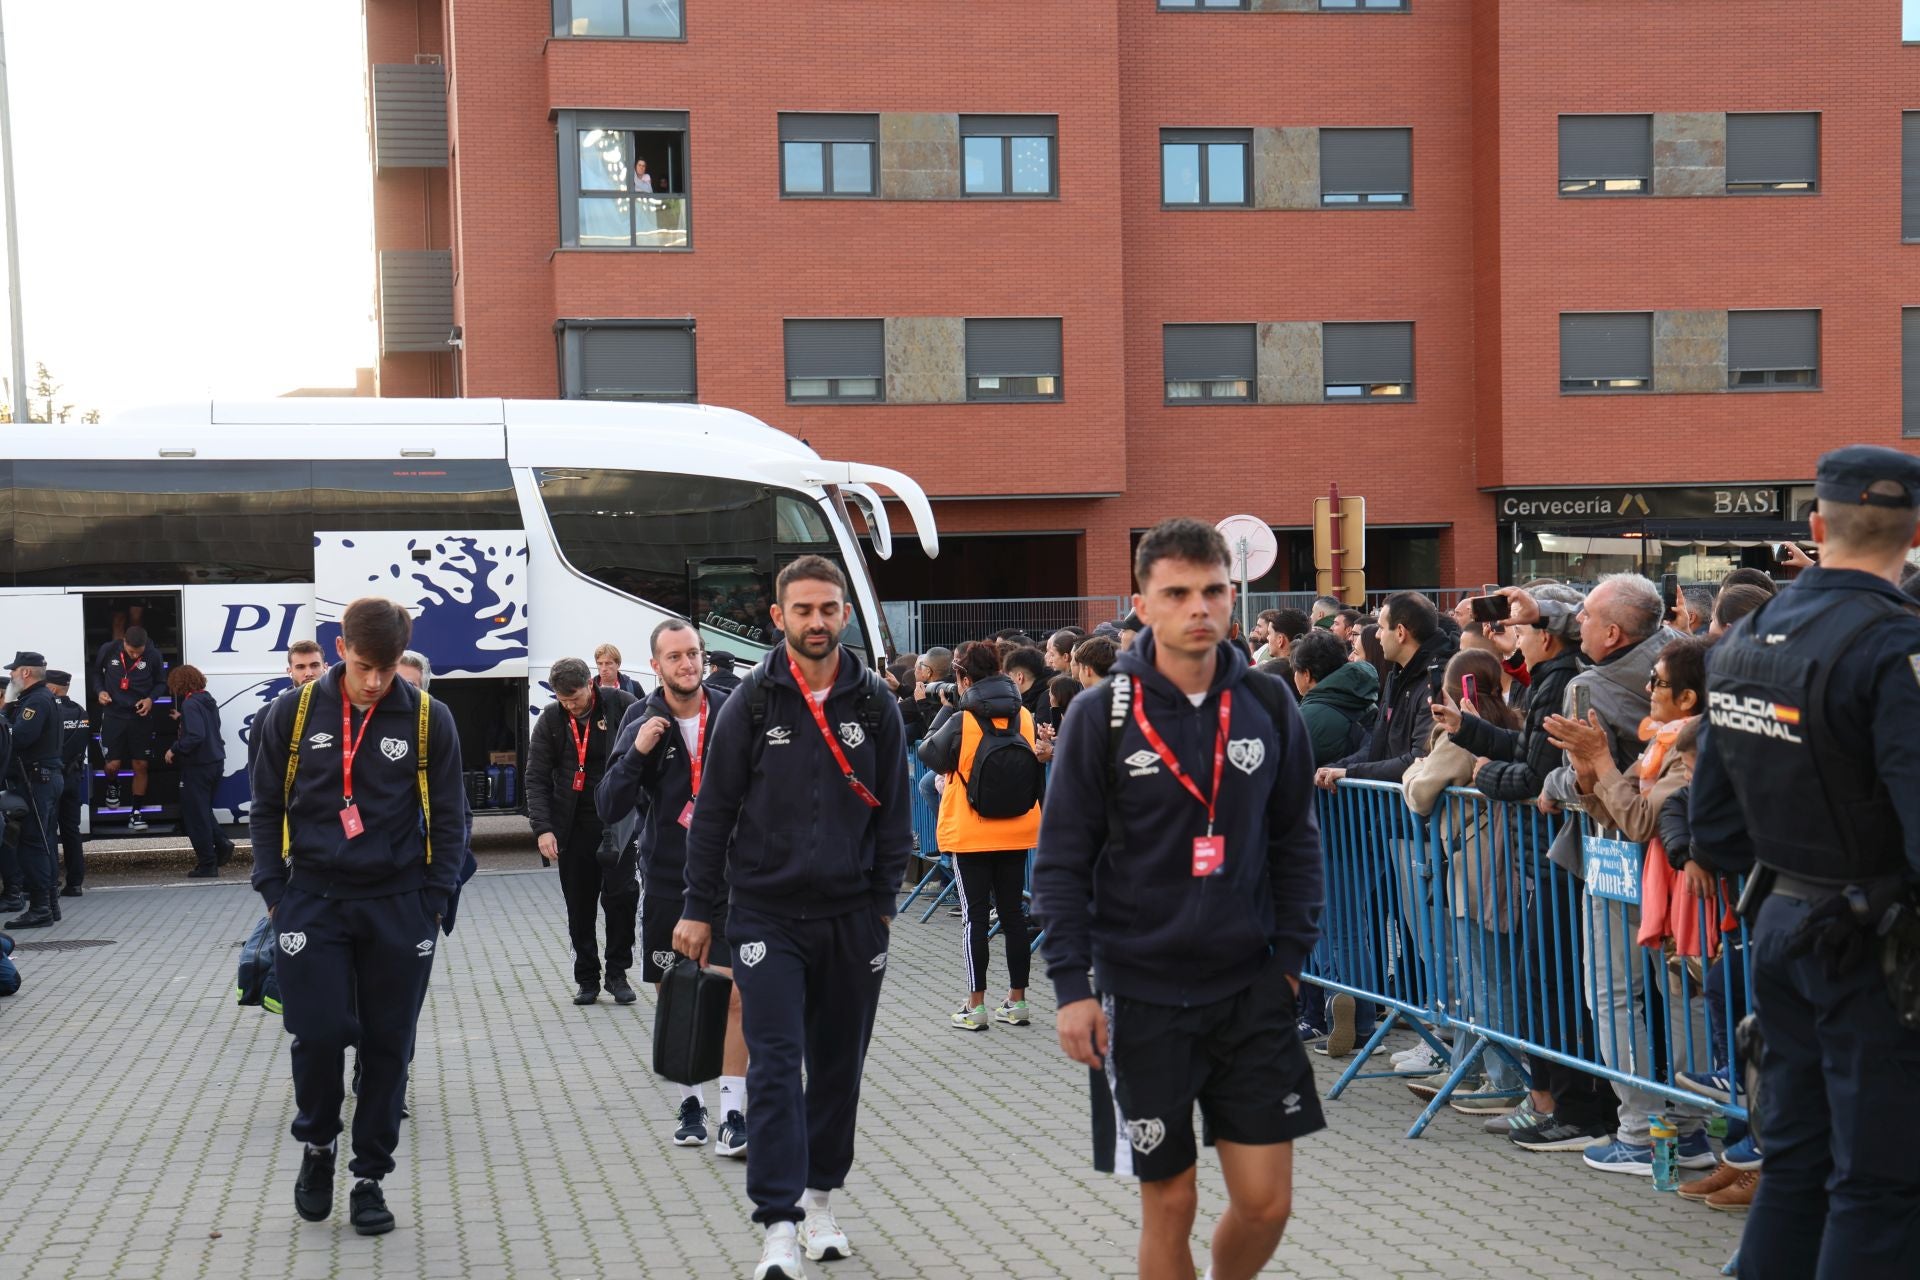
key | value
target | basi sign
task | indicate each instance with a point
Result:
(1746, 502)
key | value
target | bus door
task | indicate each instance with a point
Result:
(106, 614)
(467, 592)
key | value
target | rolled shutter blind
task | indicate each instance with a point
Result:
(1910, 372)
(1606, 147)
(1366, 161)
(1355, 353)
(1773, 339)
(1023, 348)
(637, 362)
(1606, 345)
(1910, 175)
(1776, 147)
(1009, 126)
(836, 349)
(1205, 352)
(817, 127)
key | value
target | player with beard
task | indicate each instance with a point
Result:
(804, 809)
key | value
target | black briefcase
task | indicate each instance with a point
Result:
(690, 1023)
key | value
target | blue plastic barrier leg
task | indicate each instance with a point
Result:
(938, 867)
(943, 895)
(1467, 1064)
(1366, 1051)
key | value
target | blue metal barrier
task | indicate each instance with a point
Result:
(1463, 924)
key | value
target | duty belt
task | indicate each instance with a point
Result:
(1787, 886)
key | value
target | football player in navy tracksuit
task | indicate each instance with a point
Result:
(804, 809)
(652, 769)
(357, 890)
(128, 675)
(1180, 860)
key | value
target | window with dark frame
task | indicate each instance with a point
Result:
(1773, 349)
(1357, 6)
(1606, 351)
(620, 19)
(1008, 156)
(1777, 151)
(836, 361)
(1209, 363)
(1205, 167)
(1910, 372)
(1367, 363)
(623, 179)
(1606, 155)
(627, 360)
(1910, 175)
(1014, 359)
(828, 156)
(1366, 167)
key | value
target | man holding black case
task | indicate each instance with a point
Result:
(804, 810)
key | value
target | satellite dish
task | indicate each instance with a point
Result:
(1251, 544)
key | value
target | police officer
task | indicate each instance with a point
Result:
(359, 833)
(804, 810)
(129, 674)
(37, 776)
(75, 733)
(1808, 774)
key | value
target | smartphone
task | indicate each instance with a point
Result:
(1491, 608)
(1670, 592)
(1468, 689)
(1582, 703)
(1782, 553)
(1489, 588)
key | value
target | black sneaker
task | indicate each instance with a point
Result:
(367, 1209)
(11, 903)
(693, 1124)
(732, 1138)
(1550, 1134)
(204, 873)
(135, 822)
(587, 994)
(37, 918)
(112, 800)
(313, 1189)
(72, 891)
(621, 991)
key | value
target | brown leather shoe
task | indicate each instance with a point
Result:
(1738, 1197)
(1723, 1176)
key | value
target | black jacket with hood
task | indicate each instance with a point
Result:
(1406, 714)
(1519, 762)
(660, 785)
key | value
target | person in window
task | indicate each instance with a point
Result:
(646, 214)
(128, 674)
(606, 659)
(199, 751)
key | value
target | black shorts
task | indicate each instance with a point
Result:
(126, 737)
(657, 918)
(1240, 1058)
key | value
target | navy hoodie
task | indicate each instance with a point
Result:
(199, 740)
(660, 783)
(146, 678)
(781, 823)
(1147, 926)
(389, 857)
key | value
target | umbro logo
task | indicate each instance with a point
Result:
(320, 740)
(424, 947)
(878, 963)
(779, 736)
(1292, 1103)
(1142, 763)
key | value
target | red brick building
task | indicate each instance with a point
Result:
(1557, 285)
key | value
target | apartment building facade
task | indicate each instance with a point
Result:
(1563, 286)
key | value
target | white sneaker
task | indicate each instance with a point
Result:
(1422, 1059)
(823, 1239)
(135, 822)
(780, 1258)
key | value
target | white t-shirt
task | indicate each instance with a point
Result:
(820, 696)
(690, 733)
(1196, 698)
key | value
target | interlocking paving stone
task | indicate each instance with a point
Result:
(147, 1112)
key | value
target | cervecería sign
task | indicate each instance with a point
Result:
(1745, 502)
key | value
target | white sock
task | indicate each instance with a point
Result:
(777, 1229)
(693, 1091)
(814, 1201)
(317, 1149)
(733, 1095)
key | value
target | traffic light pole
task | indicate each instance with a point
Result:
(13, 245)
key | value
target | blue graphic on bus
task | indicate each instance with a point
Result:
(465, 599)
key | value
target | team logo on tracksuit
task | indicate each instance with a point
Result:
(293, 943)
(424, 948)
(752, 953)
(664, 959)
(878, 963)
(393, 748)
(852, 734)
(319, 740)
(1245, 754)
(1141, 764)
(779, 736)
(1146, 1135)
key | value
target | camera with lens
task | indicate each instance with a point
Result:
(945, 690)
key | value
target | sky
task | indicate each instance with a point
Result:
(194, 196)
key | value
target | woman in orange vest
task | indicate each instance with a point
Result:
(989, 819)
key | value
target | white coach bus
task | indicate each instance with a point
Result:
(517, 532)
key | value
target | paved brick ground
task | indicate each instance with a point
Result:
(147, 1136)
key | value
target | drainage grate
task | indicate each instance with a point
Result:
(62, 944)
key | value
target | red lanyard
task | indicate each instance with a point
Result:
(126, 669)
(1167, 758)
(700, 743)
(833, 743)
(349, 744)
(580, 739)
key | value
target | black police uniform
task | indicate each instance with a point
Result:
(76, 731)
(13, 894)
(1809, 767)
(36, 774)
(355, 913)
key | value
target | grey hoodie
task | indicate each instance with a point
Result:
(1618, 691)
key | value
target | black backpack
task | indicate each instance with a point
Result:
(1008, 779)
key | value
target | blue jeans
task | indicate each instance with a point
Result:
(1481, 959)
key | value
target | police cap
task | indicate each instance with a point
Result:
(721, 660)
(59, 677)
(27, 658)
(1848, 476)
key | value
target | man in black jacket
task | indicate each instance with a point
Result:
(658, 762)
(76, 734)
(804, 812)
(720, 675)
(1411, 638)
(566, 758)
(357, 846)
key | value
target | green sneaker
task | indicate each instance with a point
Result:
(1524, 1118)
(971, 1019)
(1486, 1101)
(1013, 1013)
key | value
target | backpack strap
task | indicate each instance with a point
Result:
(426, 804)
(1266, 691)
(293, 767)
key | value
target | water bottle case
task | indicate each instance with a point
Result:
(690, 1024)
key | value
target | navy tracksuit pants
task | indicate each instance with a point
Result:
(808, 990)
(352, 971)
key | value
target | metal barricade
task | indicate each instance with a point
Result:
(1464, 924)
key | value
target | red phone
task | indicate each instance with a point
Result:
(1468, 689)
